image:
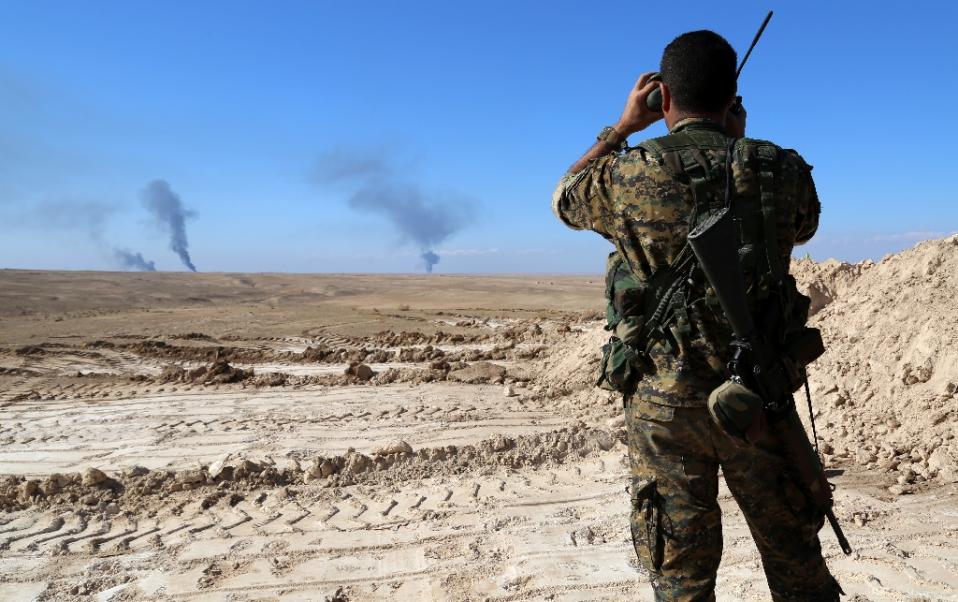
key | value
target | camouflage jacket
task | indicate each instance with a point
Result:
(633, 201)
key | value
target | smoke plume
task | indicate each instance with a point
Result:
(170, 216)
(133, 261)
(420, 218)
(87, 218)
(429, 260)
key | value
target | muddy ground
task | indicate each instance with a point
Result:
(295, 437)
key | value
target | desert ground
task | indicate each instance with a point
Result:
(168, 436)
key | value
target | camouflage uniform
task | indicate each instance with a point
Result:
(634, 200)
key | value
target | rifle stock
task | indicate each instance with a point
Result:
(715, 246)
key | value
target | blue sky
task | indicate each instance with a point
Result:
(479, 105)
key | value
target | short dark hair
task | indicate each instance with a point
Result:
(699, 68)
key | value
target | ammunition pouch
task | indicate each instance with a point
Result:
(622, 367)
(739, 411)
(799, 350)
(624, 362)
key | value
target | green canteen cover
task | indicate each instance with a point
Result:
(738, 410)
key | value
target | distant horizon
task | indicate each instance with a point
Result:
(416, 274)
(434, 274)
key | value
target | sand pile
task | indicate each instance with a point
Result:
(887, 388)
(573, 364)
(566, 376)
(886, 391)
(826, 281)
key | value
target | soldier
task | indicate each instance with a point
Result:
(666, 359)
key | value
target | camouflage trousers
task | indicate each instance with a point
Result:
(675, 454)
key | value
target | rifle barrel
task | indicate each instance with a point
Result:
(839, 534)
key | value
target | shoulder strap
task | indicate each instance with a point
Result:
(767, 155)
(680, 156)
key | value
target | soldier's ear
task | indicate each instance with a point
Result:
(666, 97)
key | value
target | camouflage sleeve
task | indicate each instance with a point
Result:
(808, 206)
(583, 201)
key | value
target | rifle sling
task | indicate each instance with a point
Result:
(766, 178)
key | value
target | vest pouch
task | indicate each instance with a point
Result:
(628, 295)
(619, 370)
(800, 350)
(798, 304)
(629, 331)
(805, 347)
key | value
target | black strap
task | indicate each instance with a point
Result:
(728, 172)
(766, 180)
(811, 418)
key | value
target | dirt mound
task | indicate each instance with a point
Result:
(326, 355)
(361, 371)
(271, 379)
(158, 349)
(826, 281)
(887, 388)
(217, 372)
(394, 462)
(426, 354)
(30, 350)
(388, 338)
(480, 372)
(573, 364)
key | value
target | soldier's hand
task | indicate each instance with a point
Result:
(735, 122)
(636, 116)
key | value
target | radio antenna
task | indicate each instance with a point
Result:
(761, 29)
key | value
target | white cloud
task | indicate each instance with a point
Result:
(912, 236)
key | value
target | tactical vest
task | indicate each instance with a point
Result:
(643, 314)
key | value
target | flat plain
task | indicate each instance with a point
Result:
(169, 436)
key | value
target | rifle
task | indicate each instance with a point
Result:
(654, 99)
(763, 377)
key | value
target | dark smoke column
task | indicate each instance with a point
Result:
(430, 259)
(168, 214)
(420, 217)
(133, 261)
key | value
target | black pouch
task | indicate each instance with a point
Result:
(646, 524)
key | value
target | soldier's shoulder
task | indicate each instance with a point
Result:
(793, 157)
(788, 157)
(752, 145)
(641, 172)
(639, 158)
